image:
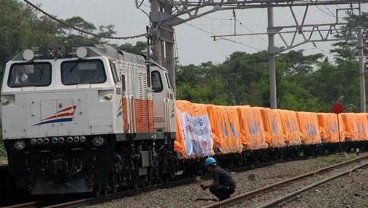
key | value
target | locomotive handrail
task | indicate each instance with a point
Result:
(166, 106)
(133, 116)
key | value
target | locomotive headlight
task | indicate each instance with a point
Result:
(98, 141)
(61, 140)
(39, 141)
(82, 139)
(70, 139)
(81, 52)
(76, 139)
(33, 141)
(19, 145)
(28, 55)
(46, 140)
(55, 140)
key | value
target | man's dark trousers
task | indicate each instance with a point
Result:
(222, 192)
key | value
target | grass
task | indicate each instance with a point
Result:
(2, 149)
(334, 159)
(3, 155)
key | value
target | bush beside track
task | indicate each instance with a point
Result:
(2, 150)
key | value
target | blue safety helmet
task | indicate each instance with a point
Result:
(210, 161)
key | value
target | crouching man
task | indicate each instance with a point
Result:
(223, 184)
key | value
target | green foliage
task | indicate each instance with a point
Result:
(139, 47)
(334, 159)
(346, 50)
(201, 84)
(2, 150)
(243, 79)
(304, 83)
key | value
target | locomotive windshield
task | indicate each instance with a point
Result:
(29, 74)
(82, 72)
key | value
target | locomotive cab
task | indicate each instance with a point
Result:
(76, 118)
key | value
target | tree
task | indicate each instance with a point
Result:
(201, 84)
(346, 49)
(139, 47)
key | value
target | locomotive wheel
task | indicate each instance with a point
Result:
(97, 191)
(106, 190)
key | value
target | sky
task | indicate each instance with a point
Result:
(194, 42)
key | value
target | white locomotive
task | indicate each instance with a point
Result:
(78, 119)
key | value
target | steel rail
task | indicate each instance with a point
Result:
(3, 165)
(24, 205)
(284, 198)
(272, 186)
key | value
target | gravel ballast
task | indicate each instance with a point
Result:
(185, 196)
(348, 191)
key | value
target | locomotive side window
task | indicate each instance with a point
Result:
(114, 73)
(168, 80)
(33, 74)
(82, 72)
(123, 86)
(156, 81)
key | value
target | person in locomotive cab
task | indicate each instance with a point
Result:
(223, 184)
(20, 76)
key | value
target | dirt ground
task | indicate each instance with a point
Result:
(188, 195)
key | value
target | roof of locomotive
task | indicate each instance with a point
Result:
(61, 52)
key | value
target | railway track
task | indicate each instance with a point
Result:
(270, 191)
(236, 199)
(100, 199)
(25, 205)
(3, 166)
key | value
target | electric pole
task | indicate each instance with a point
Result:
(163, 41)
(361, 71)
(271, 59)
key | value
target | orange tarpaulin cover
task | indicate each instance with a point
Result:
(344, 133)
(329, 127)
(252, 130)
(291, 127)
(230, 128)
(273, 126)
(234, 129)
(193, 130)
(349, 126)
(362, 126)
(354, 126)
(225, 128)
(308, 125)
(179, 143)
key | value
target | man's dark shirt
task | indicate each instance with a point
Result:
(222, 177)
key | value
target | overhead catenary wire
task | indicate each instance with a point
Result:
(227, 39)
(211, 33)
(325, 12)
(317, 48)
(250, 30)
(333, 14)
(80, 30)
